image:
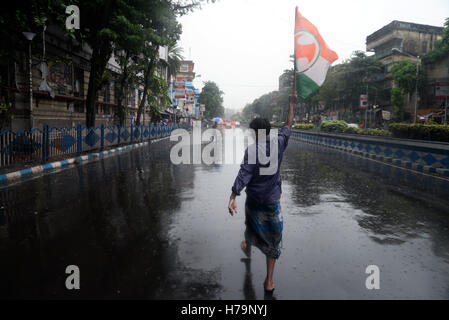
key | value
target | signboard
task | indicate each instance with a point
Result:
(190, 107)
(190, 93)
(364, 101)
(202, 108)
(442, 90)
(321, 105)
(386, 115)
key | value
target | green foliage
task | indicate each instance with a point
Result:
(337, 126)
(263, 107)
(212, 97)
(441, 50)
(404, 75)
(174, 58)
(397, 100)
(420, 131)
(368, 132)
(347, 81)
(301, 126)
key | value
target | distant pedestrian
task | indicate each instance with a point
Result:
(264, 222)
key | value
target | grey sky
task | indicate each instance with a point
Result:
(244, 45)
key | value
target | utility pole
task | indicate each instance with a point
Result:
(30, 36)
(366, 110)
(445, 112)
(416, 90)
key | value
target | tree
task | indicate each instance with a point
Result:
(212, 97)
(405, 77)
(397, 100)
(174, 58)
(347, 81)
(441, 50)
(108, 24)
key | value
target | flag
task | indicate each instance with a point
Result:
(312, 57)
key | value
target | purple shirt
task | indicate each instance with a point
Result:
(264, 189)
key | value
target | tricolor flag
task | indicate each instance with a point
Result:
(312, 57)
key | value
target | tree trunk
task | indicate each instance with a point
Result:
(98, 63)
(147, 78)
(124, 78)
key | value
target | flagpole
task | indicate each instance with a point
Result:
(294, 80)
(294, 59)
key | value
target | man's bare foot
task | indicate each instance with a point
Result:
(246, 249)
(269, 286)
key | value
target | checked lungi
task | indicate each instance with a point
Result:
(264, 226)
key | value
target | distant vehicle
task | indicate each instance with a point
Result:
(237, 124)
(354, 125)
(228, 125)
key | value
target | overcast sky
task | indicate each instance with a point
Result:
(244, 45)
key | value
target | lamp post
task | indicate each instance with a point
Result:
(30, 36)
(198, 76)
(445, 112)
(416, 82)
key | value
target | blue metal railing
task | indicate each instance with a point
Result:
(41, 145)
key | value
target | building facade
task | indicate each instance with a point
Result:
(188, 106)
(398, 41)
(60, 77)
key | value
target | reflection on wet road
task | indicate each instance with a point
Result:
(139, 227)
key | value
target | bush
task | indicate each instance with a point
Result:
(302, 126)
(368, 132)
(350, 130)
(375, 132)
(431, 132)
(338, 126)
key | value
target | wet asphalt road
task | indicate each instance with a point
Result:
(138, 226)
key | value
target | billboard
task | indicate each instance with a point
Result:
(442, 90)
(321, 105)
(202, 108)
(364, 101)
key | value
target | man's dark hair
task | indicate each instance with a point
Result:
(261, 124)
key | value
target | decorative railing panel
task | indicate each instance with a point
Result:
(25, 147)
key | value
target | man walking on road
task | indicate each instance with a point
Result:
(264, 223)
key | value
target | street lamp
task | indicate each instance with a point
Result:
(416, 82)
(30, 36)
